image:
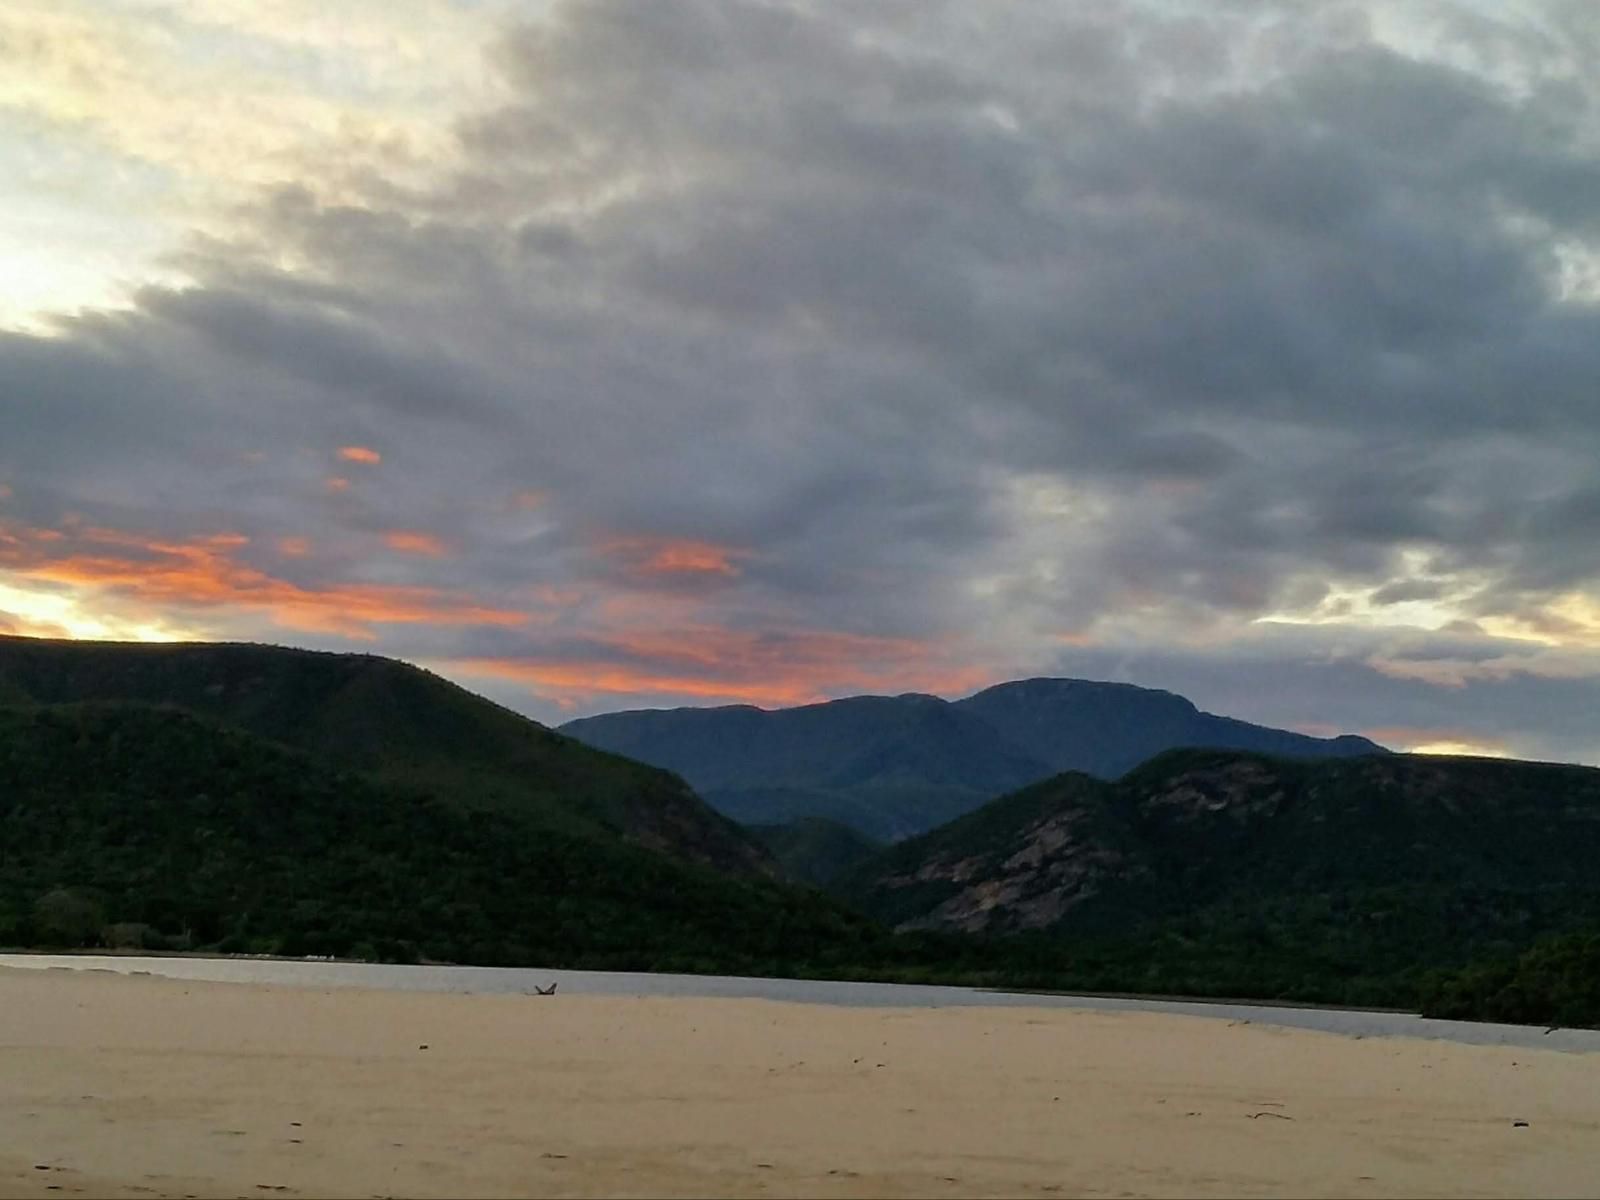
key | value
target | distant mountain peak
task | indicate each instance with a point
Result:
(1048, 686)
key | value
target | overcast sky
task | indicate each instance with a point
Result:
(607, 355)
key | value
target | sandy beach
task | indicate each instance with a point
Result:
(139, 1086)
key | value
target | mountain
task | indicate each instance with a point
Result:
(395, 724)
(1219, 871)
(895, 766)
(1377, 882)
(888, 766)
(1106, 729)
(814, 850)
(150, 827)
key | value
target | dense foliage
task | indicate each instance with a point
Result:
(815, 850)
(1557, 982)
(152, 827)
(395, 723)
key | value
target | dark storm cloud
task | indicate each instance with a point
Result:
(326, 349)
(973, 325)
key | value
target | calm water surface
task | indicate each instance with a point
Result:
(804, 991)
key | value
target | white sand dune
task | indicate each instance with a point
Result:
(133, 1086)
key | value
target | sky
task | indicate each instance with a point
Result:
(616, 354)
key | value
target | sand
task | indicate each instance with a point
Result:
(136, 1086)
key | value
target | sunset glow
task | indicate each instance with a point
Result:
(141, 575)
(666, 556)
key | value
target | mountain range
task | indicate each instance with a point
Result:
(892, 767)
(262, 800)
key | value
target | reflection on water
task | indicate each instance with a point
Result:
(297, 973)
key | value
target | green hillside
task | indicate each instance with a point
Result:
(395, 723)
(1210, 872)
(134, 825)
(814, 850)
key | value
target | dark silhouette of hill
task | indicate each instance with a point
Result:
(1107, 729)
(1214, 871)
(140, 826)
(395, 723)
(895, 766)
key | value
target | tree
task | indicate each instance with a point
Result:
(67, 917)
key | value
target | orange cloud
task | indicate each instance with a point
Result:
(360, 454)
(772, 669)
(294, 547)
(336, 483)
(527, 501)
(564, 682)
(203, 572)
(409, 541)
(5, 491)
(650, 556)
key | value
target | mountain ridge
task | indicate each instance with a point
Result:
(895, 766)
(395, 723)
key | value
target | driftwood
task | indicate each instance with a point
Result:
(549, 991)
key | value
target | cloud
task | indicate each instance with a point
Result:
(769, 350)
(108, 165)
(710, 663)
(205, 573)
(410, 541)
(653, 557)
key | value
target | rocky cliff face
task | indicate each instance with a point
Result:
(1055, 864)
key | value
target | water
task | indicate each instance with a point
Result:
(488, 980)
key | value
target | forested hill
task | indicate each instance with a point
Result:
(895, 766)
(141, 826)
(396, 724)
(815, 850)
(1210, 871)
(133, 825)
